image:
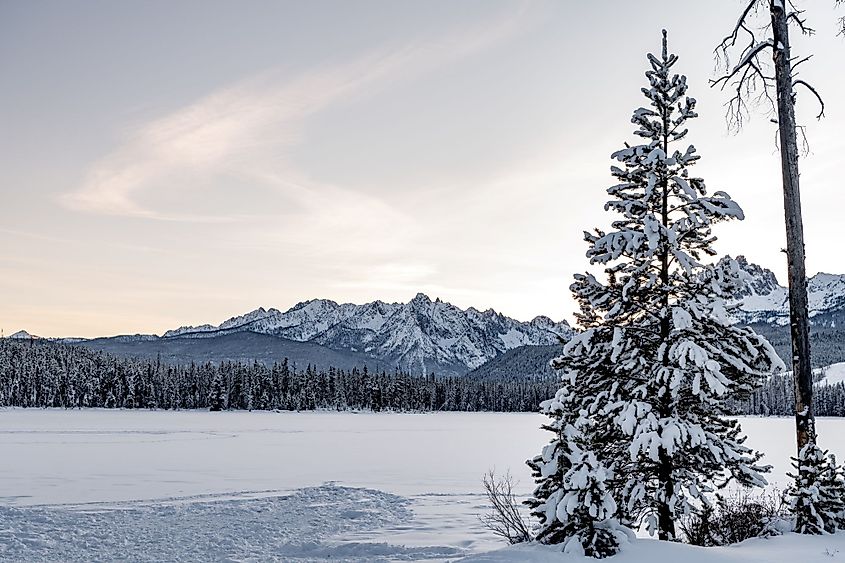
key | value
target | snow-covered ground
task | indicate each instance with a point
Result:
(789, 548)
(102, 485)
(833, 374)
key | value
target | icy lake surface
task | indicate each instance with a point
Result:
(240, 486)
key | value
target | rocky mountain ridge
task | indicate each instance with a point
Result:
(421, 336)
(764, 300)
(424, 336)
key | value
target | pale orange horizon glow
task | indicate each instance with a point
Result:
(266, 156)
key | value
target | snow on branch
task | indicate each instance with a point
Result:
(731, 39)
(747, 59)
(748, 78)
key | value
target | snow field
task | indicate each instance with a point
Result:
(159, 485)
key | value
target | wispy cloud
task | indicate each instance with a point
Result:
(246, 130)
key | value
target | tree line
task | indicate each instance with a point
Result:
(776, 397)
(46, 374)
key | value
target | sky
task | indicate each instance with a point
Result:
(171, 163)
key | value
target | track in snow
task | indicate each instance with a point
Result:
(306, 525)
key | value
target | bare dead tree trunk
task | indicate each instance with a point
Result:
(798, 308)
(750, 80)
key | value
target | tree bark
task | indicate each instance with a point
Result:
(665, 522)
(798, 308)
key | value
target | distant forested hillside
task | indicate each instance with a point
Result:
(827, 342)
(524, 361)
(828, 347)
(244, 347)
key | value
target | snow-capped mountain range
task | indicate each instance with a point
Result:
(763, 299)
(421, 336)
(425, 336)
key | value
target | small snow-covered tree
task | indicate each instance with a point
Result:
(658, 356)
(549, 468)
(573, 502)
(833, 490)
(817, 494)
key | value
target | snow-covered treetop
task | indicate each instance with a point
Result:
(665, 211)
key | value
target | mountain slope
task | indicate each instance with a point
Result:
(524, 361)
(236, 347)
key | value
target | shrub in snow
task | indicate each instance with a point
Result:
(736, 518)
(649, 376)
(817, 494)
(505, 519)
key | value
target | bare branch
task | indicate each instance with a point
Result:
(805, 143)
(730, 40)
(841, 23)
(795, 17)
(804, 60)
(749, 82)
(505, 520)
(749, 79)
(815, 93)
(747, 59)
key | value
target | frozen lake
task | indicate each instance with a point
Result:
(291, 486)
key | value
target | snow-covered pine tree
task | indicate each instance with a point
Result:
(804, 495)
(817, 495)
(216, 395)
(658, 356)
(833, 491)
(572, 501)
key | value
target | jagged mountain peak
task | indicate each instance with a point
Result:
(545, 322)
(315, 303)
(421, 335)
(756, 279)
(763, 299)
(421, 299)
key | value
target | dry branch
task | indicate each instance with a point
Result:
(505, 519)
